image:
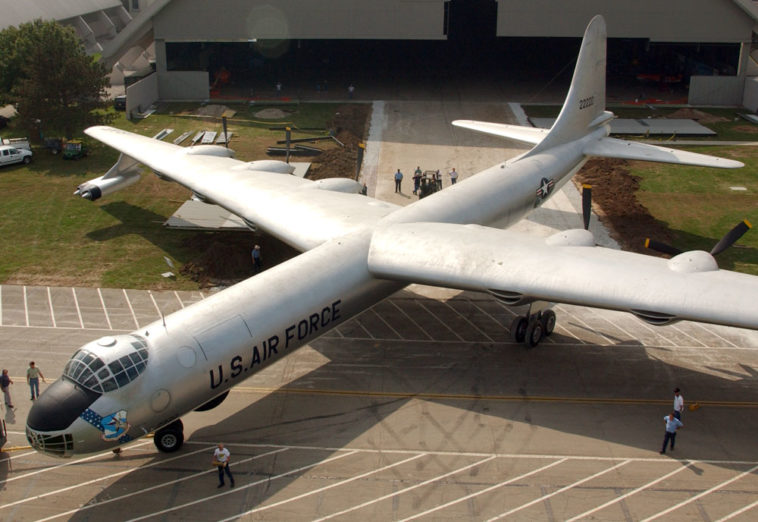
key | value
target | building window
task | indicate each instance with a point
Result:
(135, 5)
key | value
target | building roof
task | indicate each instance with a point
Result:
(16, 12)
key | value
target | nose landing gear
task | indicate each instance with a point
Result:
(531, 328)
(170, 438)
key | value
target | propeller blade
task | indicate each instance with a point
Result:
(731, 237)
(586, 205)
(663, 248)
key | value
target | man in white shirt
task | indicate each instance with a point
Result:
(453, 176)
(678, 404)
(221, 457)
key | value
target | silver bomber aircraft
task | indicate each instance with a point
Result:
(358, 251)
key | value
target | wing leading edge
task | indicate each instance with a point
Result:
(565, 268)
(298, 211)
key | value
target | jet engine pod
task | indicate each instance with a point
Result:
(102, 186)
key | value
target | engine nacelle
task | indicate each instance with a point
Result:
(102, 186)
(120, 175)
(273, 166)
(349, 186)
(210, 150)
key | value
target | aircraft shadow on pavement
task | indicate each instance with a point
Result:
(562, 398)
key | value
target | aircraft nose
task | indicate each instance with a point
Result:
(53, 412)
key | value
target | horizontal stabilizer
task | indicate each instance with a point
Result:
(629, 150)
(514, 132)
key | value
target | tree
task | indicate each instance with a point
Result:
(46, 73)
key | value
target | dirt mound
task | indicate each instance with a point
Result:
(614, 193)
(349, 127)
(694, 114)
(215, 111)
(224, 258)
(271, 114)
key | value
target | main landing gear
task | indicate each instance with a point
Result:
(170, 438)
(531, 328)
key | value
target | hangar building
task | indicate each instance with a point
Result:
(240, 48)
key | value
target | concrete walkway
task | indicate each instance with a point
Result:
(405, 135)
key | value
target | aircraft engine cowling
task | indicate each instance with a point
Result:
(210, 150)
(124, 173)
(346, 185)
(273, 166)
(102, 186)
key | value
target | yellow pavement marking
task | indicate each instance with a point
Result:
(465, 396)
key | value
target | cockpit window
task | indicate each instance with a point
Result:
(89, 369)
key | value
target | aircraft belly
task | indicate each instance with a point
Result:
(244, 328)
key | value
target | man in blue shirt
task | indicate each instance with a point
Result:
(398, 179)
(672, 424)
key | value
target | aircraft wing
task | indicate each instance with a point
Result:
(633, 150)
(514, 132)
(565, 268)
(300, 212)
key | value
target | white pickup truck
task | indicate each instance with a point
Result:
(19, 143)
(10, 155)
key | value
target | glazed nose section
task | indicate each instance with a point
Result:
(55, 411)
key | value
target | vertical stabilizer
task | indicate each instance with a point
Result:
(585, 104)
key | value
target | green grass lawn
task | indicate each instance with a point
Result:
(50, 237)
(699, 206)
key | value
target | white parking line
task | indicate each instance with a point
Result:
(633, 492)
(421, 304)
(69, 463)
(586, 326)
(320, 490)
(358, 322)
(93, 481)
(152, 298)
(157, 486)
(181, 303)
(50, 304)
(26, 308)
(401, 491)
(739, 512)
(446, 303)
(78, 309)
(566, 488)
(712, 332)
(212, 498)
(702, 494)
(675, 327)
(105, 310)
(388, 324)
(128, 302)
(411, 319)
(487, 490)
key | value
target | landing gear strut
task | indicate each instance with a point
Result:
(170, 438)
(531, 328)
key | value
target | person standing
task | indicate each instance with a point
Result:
(672, 425)
(438, 179)
(257, 262)
(678, 404)
(416, 179)
(5, 382)
(453, 176)
(221, 459)
(33, 375)
(398, 180)
(351, 91)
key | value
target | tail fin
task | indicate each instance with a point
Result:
(584, 108)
